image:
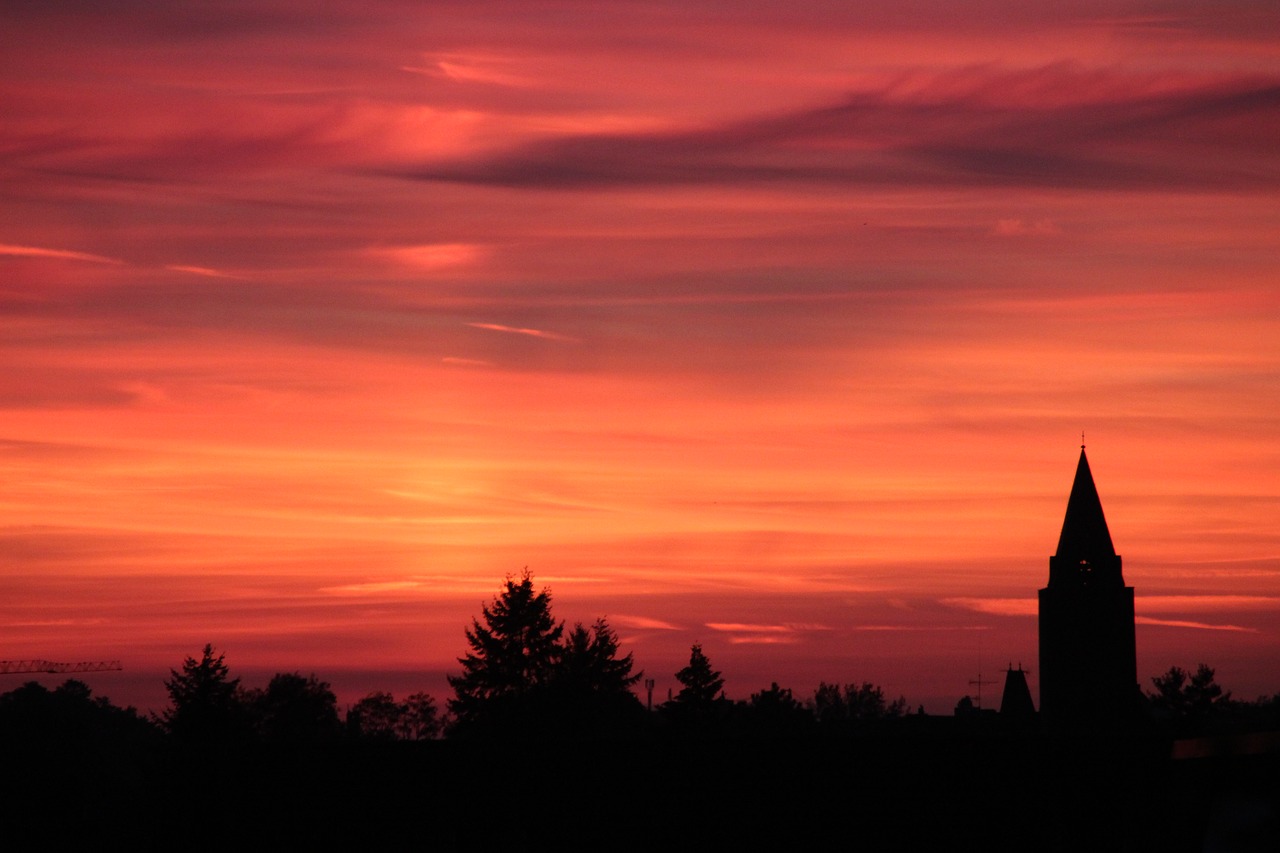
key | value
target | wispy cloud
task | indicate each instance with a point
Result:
(643, 623)
(1200, 626)
(514, 330)
(744, 627)
(1142, 604)
(206, 272)
(431, 256)
(61, 623)
(764, 633)
(489, 69)
(55, 388)
(755, 629)
(1048, 127)
(54, 254)
(997, 606)
(375, 588)
(921, 628)
(1204, 603)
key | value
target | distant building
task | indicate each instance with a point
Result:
(1088, 660)
(1015, 701)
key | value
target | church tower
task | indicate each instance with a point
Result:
(1088, 660)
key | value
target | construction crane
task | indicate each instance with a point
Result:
(14, 667)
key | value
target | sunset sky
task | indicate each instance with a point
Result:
(769, 326)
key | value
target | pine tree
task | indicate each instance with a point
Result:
(700, 706)
(589, 662)
(591, 694)
(205, 701)
(702, 685)
(513, 654)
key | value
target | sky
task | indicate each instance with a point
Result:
(770, 327)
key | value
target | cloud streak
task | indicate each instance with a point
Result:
(1061, 129)
(1143, 605)
(431, 256)
(1182, 623)
(643, 623)
(748, 633)
(54, 254)
(205, 272)
(515, 330)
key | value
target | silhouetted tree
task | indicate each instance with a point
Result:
(776, 710)
(377, 716)
(853, 704)
(590, 689)
(828, 704)
(420, 718)
(294, 708)
(774, 697)
(72, 760)
(68, 716)
(1262, 714)
(1190, 701)
(204, 700)
(589, 662)
(700, 684)
(700, 705)
(513, 655)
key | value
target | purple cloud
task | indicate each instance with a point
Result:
(1060, 128)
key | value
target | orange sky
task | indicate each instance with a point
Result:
(770, 328)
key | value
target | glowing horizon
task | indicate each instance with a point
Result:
(771, 329)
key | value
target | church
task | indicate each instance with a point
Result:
(1088, 658)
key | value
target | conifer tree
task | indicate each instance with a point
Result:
(589, 662)
(514, 651)
(205, 701)
(701, 685)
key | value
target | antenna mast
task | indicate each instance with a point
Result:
(979, 684)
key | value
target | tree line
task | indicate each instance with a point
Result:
(525, 674)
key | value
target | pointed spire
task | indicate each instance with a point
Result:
(1084, 530)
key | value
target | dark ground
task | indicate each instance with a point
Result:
(908, 790)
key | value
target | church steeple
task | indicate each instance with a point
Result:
(1084, 530)
(1085, 555)
(1088, 661)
